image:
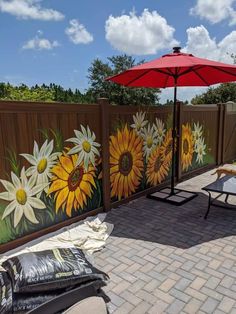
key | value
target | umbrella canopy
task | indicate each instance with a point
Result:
(176, 69)
(172, 70)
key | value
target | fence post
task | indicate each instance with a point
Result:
(220, 134)
(179, 139)
(224, 114)
(104, 109)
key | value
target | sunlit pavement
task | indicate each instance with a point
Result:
(167, 259)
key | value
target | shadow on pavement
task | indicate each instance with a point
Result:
(179, 226)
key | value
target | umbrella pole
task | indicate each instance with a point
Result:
(173, 141)
(173, 195)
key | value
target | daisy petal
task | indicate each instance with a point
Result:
(74, 150)
(15, 180)
(36, 203)
(49, 149)
(8, 186)
(29, 214)
(9, 209)
(31, 159)
(36, 149)
(43, 148)
(18, 215)
(6, 196)
(38, 188)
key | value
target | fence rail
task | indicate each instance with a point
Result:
(89, 158)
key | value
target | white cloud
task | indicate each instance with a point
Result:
(38, 43)
(77, 33)
(202, 45)
(139, 35)
(29, 9)
(215, 11)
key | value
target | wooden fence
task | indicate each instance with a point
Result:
(62, 162)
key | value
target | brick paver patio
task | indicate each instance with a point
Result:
(167, 259)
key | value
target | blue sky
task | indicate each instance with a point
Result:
(45, 41)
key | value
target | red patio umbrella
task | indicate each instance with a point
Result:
(172, 70)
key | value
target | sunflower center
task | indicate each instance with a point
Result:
(149, 142)
(42, 165)
(86, 146)
(75, 178)
(125, 163)
(21, 196)
(185, 147)
(157, 164)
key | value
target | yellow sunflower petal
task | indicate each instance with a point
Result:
(66, 163)
(61, 198)
(114, 185)
(60, 172)
(89, 178)
(120, 187)
(114, 143)
(86, 188)
(120, 141)
(74, 160)
(57, 185)
(70, 202)
(114, 153)
(79, 197)
(114, 169)
(125, 134)
(126, 187)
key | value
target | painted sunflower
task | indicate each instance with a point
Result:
(187, 147)
(126, 162)
(157, 169)
(166, 148)
(71, 183)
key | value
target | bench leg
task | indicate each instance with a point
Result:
(209, 205)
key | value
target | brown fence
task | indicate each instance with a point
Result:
(62, 162)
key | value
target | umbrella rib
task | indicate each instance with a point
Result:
(138, 77)
(225, 71)
(199, 75)
(190, 69)
(164, 72)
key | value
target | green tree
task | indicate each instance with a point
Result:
(42, 93)
(220, 94)
(118, 94)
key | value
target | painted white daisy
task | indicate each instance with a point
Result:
(160, 129)
(149, 140)
(42, 161)
(85, 146)
(139, 122)
(197, 132)
(200, 149)
(21, 195)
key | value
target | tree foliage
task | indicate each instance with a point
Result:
(220, 94)
(44, 93)
(118, 94)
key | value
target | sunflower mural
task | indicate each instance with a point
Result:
(55, 186)
(194, 151)
(126, 162)
(140, 155)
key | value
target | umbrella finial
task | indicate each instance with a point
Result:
(176, 49)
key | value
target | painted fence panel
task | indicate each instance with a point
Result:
(199, 128)
(229, 147)
(140, 149)
(61, 162)
(50, 165)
